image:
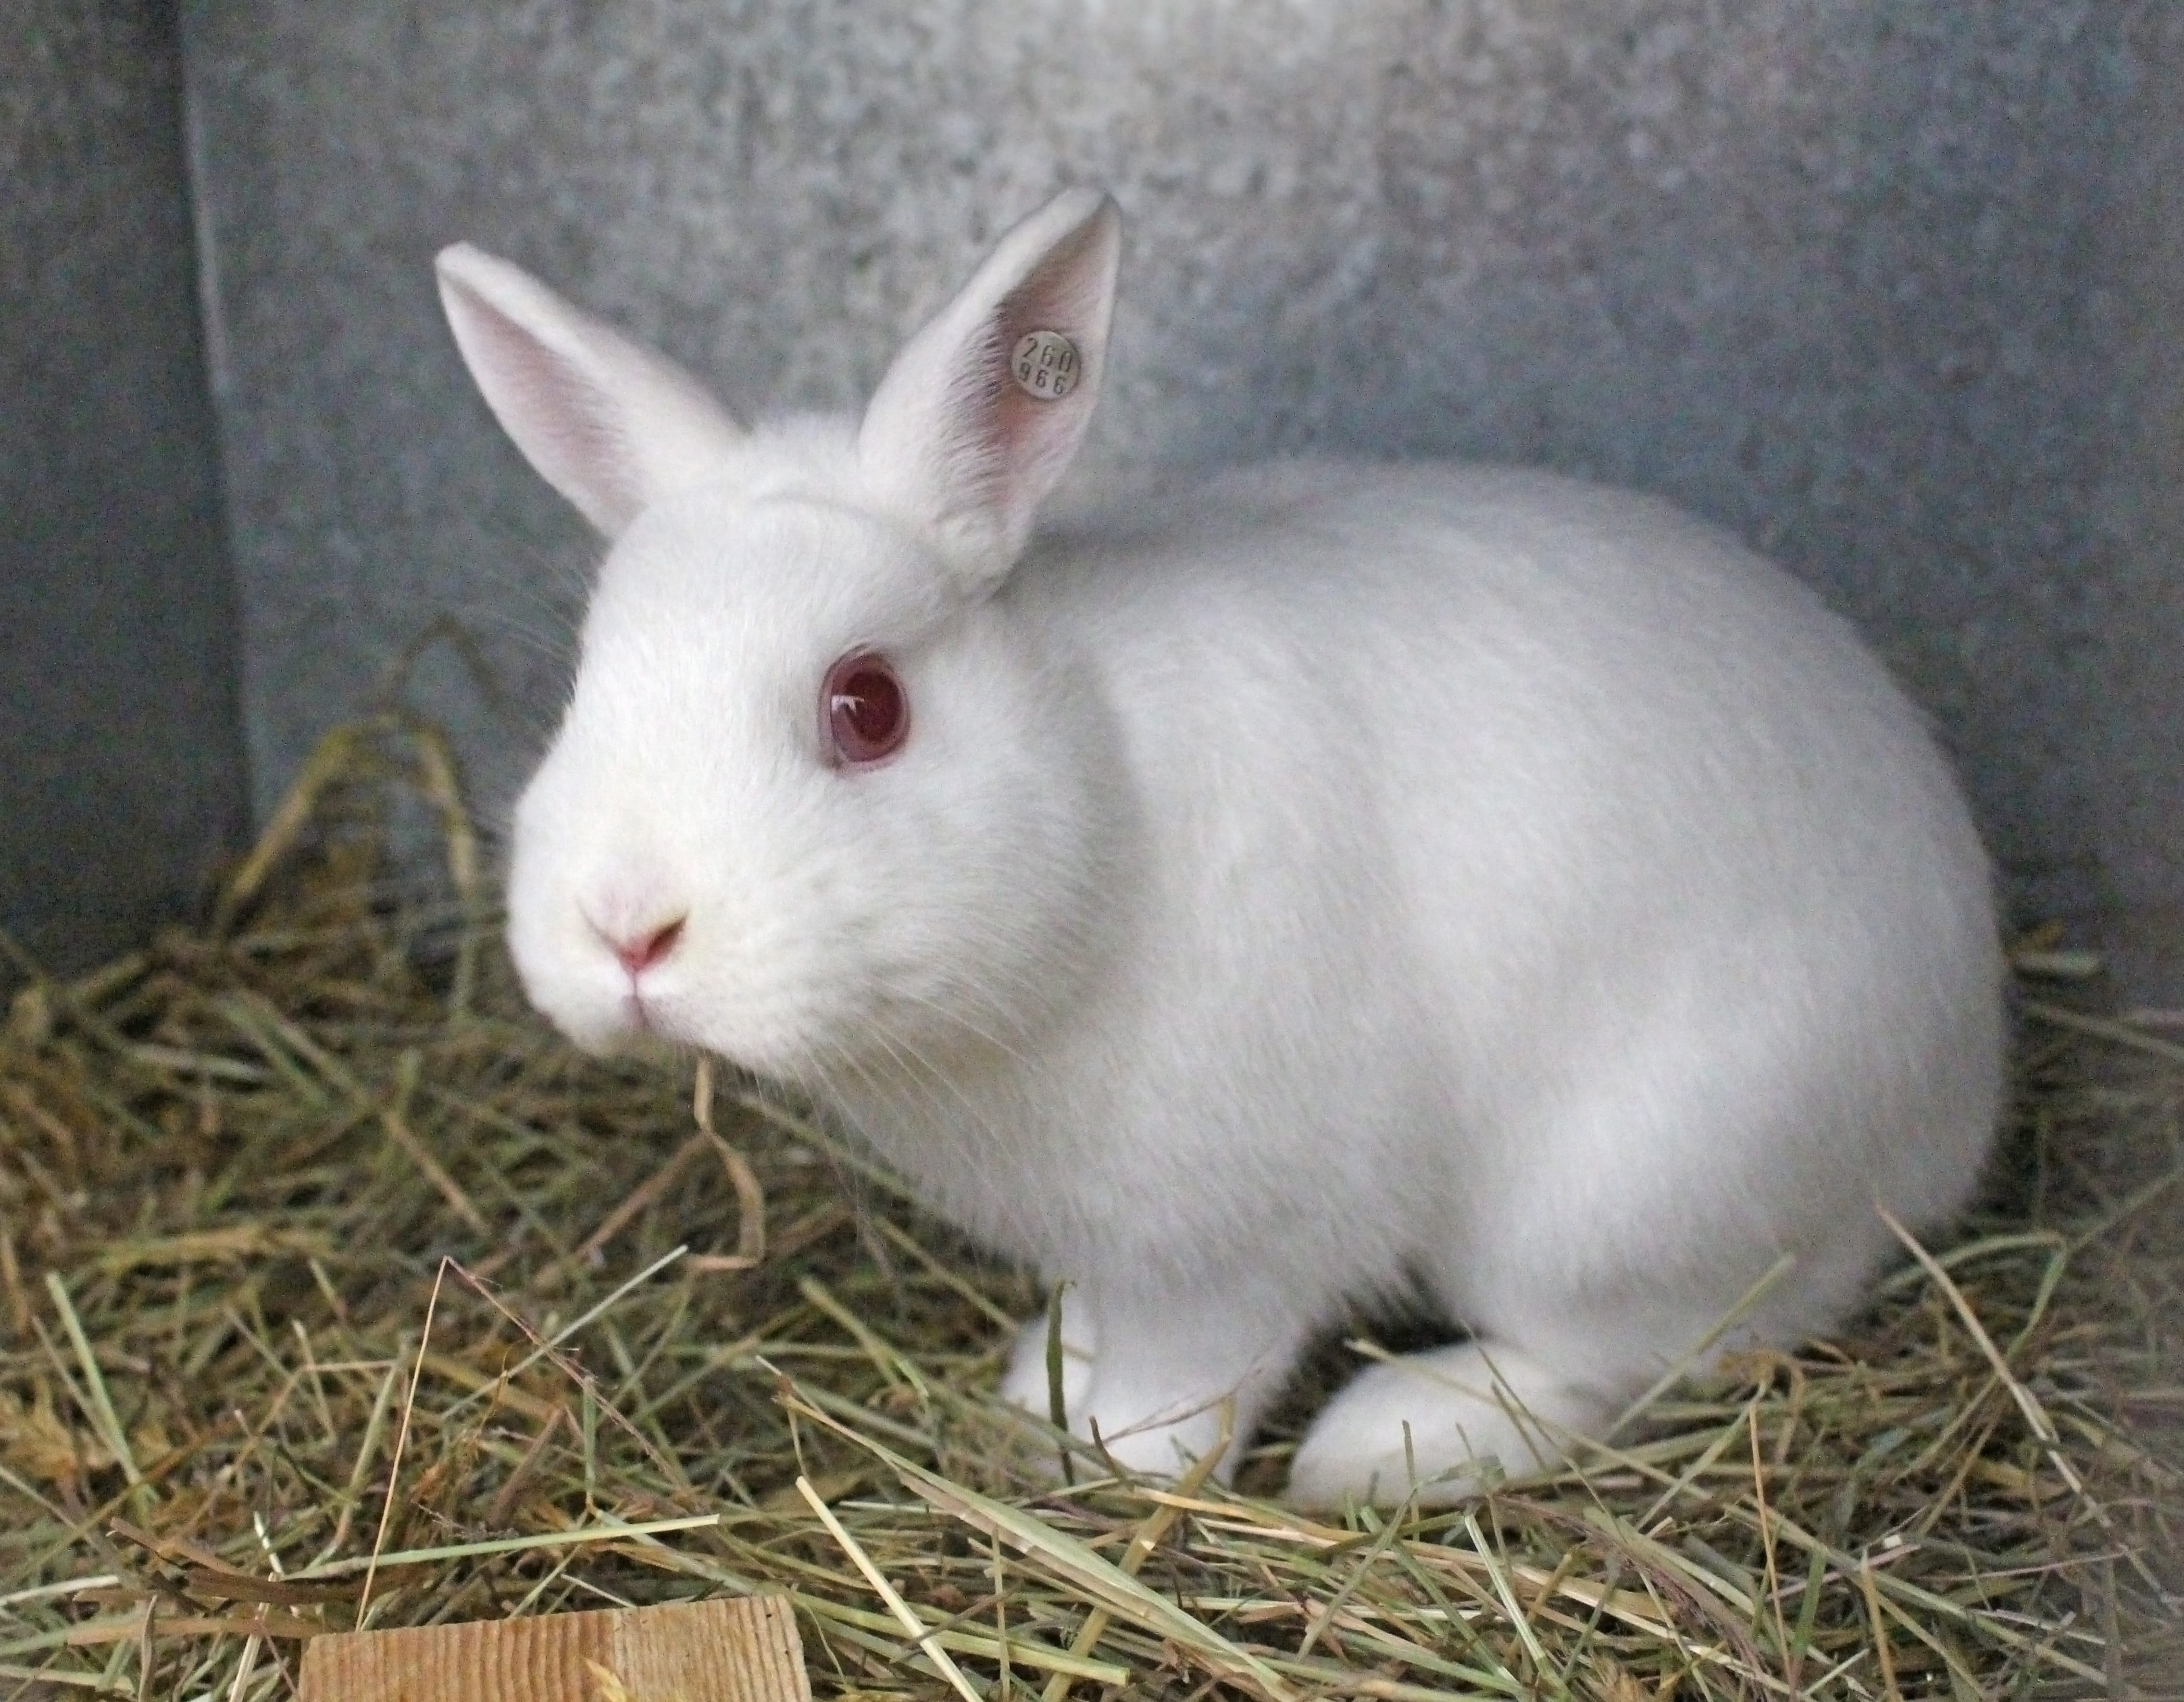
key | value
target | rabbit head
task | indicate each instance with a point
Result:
(822, 795)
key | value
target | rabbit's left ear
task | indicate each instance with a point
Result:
(983, 408)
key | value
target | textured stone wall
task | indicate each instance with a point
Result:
(1852, 279)
(120, 741)
(2134, 658)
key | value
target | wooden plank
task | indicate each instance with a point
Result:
(742, 1650)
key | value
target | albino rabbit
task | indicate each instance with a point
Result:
(1335, 882)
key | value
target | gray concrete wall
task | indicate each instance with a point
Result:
(120, 748)
(2134, 700)
(1844, 277)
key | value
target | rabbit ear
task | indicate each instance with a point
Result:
(613, 427)
(983, 408)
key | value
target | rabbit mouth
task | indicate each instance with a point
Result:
(646, 1015)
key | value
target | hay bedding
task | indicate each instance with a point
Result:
(333, 1289)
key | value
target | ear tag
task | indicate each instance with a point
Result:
(1045, 365)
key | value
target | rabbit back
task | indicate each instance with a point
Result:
(1598, 868)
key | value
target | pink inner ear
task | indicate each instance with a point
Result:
(1016, 421)
(1024, 435)
(546, 405)
(948, 432)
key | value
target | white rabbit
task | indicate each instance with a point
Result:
(1335, 882)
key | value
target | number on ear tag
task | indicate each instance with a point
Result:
(1045, 365)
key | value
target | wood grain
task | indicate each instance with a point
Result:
(730, 1650)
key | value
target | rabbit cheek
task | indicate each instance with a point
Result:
(563, 981)
(564, 958)
(564, 970)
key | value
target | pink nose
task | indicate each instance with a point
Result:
(639, 952)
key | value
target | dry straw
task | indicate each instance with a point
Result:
(333, 1289)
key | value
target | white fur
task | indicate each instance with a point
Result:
(1335, 879)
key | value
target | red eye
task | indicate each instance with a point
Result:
(864, 708)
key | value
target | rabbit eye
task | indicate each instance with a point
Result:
(864, 708)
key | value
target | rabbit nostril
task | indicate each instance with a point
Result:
(640, 953)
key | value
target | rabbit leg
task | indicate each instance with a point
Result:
(1540, 1371)
(1026, 1383)
(1417, 1421)
(1150, 1373)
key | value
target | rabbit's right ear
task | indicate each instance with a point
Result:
(612, 426)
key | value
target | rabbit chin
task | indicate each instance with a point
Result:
(604, 1018)
(592, 1009)
(590, 1000)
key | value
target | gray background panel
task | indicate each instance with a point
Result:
(122, 780)
(1827, 273)
(2132, 665)
(1889, 290)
